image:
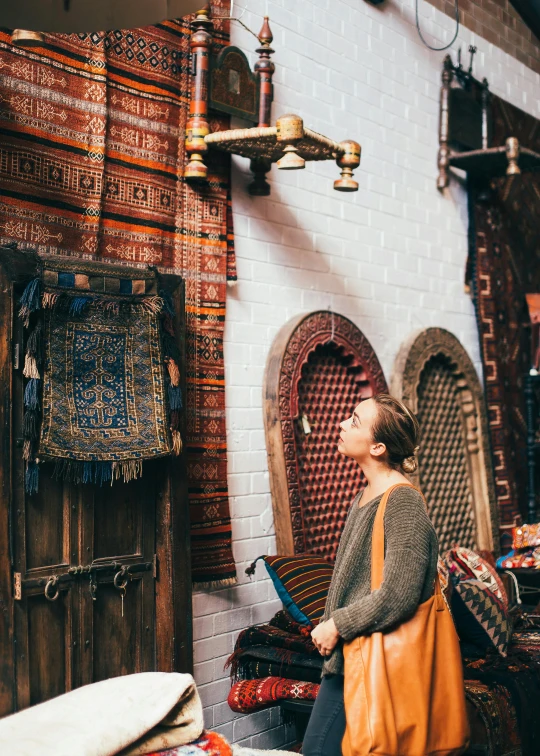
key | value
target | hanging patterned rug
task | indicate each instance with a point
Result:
(93, 138)
(103, 391)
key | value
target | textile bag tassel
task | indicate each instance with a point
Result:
(174, 372)
(28, 452)
(50, 300)
(30, 424)
(33, 345)
(175, 397)
(176, 442)
(31, 478)
(31, 394)
(30, 367)
(30, 301)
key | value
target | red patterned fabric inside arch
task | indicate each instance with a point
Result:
(91, 163)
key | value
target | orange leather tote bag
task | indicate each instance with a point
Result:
(404, 693)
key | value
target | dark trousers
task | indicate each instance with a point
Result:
(327, 722)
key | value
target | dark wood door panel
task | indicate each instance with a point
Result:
(124, 518)
(122, 645)
(47, 519)
(45, 646)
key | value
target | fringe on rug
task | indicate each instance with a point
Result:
(213, 584)
(97, 472)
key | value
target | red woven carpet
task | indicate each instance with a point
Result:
(504, 263)
(91, 163)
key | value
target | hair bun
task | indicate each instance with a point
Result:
(410, 464)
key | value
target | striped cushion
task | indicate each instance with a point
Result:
(302, 583)
(469, 565)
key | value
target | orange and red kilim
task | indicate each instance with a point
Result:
(91, 164)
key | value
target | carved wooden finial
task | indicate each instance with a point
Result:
(265, 35)
(512, 155)
(348, 160)
(265, 68)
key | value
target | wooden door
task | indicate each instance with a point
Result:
(74, 551)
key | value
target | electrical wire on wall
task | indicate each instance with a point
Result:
(437, 49)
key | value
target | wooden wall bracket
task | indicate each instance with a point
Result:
(464, 132)
(226, 84)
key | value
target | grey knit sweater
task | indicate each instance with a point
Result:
(410, 567)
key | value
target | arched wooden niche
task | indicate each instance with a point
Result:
(435, 377)
(319, 367)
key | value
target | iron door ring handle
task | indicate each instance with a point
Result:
(52, 582)
(117, 580)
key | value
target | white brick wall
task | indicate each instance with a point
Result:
(390, 257)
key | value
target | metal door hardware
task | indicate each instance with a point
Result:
(109, 571)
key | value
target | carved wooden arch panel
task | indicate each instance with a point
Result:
(319, 367)
(435, 377)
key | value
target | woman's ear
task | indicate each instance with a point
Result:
(377, 450)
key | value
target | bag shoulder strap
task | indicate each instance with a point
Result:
(377, 547)
(377, 539)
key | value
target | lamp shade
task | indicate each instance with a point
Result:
(69, 16)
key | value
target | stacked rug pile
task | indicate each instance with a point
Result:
(146, 714)
(500, 648)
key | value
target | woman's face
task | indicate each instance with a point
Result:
(356, 439)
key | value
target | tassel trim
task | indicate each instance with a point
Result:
(174, 372)
(31, 394)
(214, 584)
(31, 478)
(176, 442)
(175, 397)
(97, 472)
(30, 301)
(250, 571)
(30, 367)
(76, 305)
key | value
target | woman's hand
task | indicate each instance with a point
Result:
(325, 637)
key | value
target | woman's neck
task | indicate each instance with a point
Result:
(379, 479)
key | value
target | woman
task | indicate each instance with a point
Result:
(382, 436)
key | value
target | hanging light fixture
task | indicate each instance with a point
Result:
(69, 16)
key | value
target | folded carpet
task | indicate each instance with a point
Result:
(251, 695)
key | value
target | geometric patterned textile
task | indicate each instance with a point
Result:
(102, 370)
(250, 668)
(209, 744)
(91, 164)
(252, 663)
(480, 617)
(251, 695)
(504, 264)
(501, 309)
(444, 473)
(468, 564)
(104, 378)
(494, 706)
(268, 635)
(302, 583)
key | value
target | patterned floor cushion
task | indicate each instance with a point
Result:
(301, 582)
(481, 618)
(468, 565)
